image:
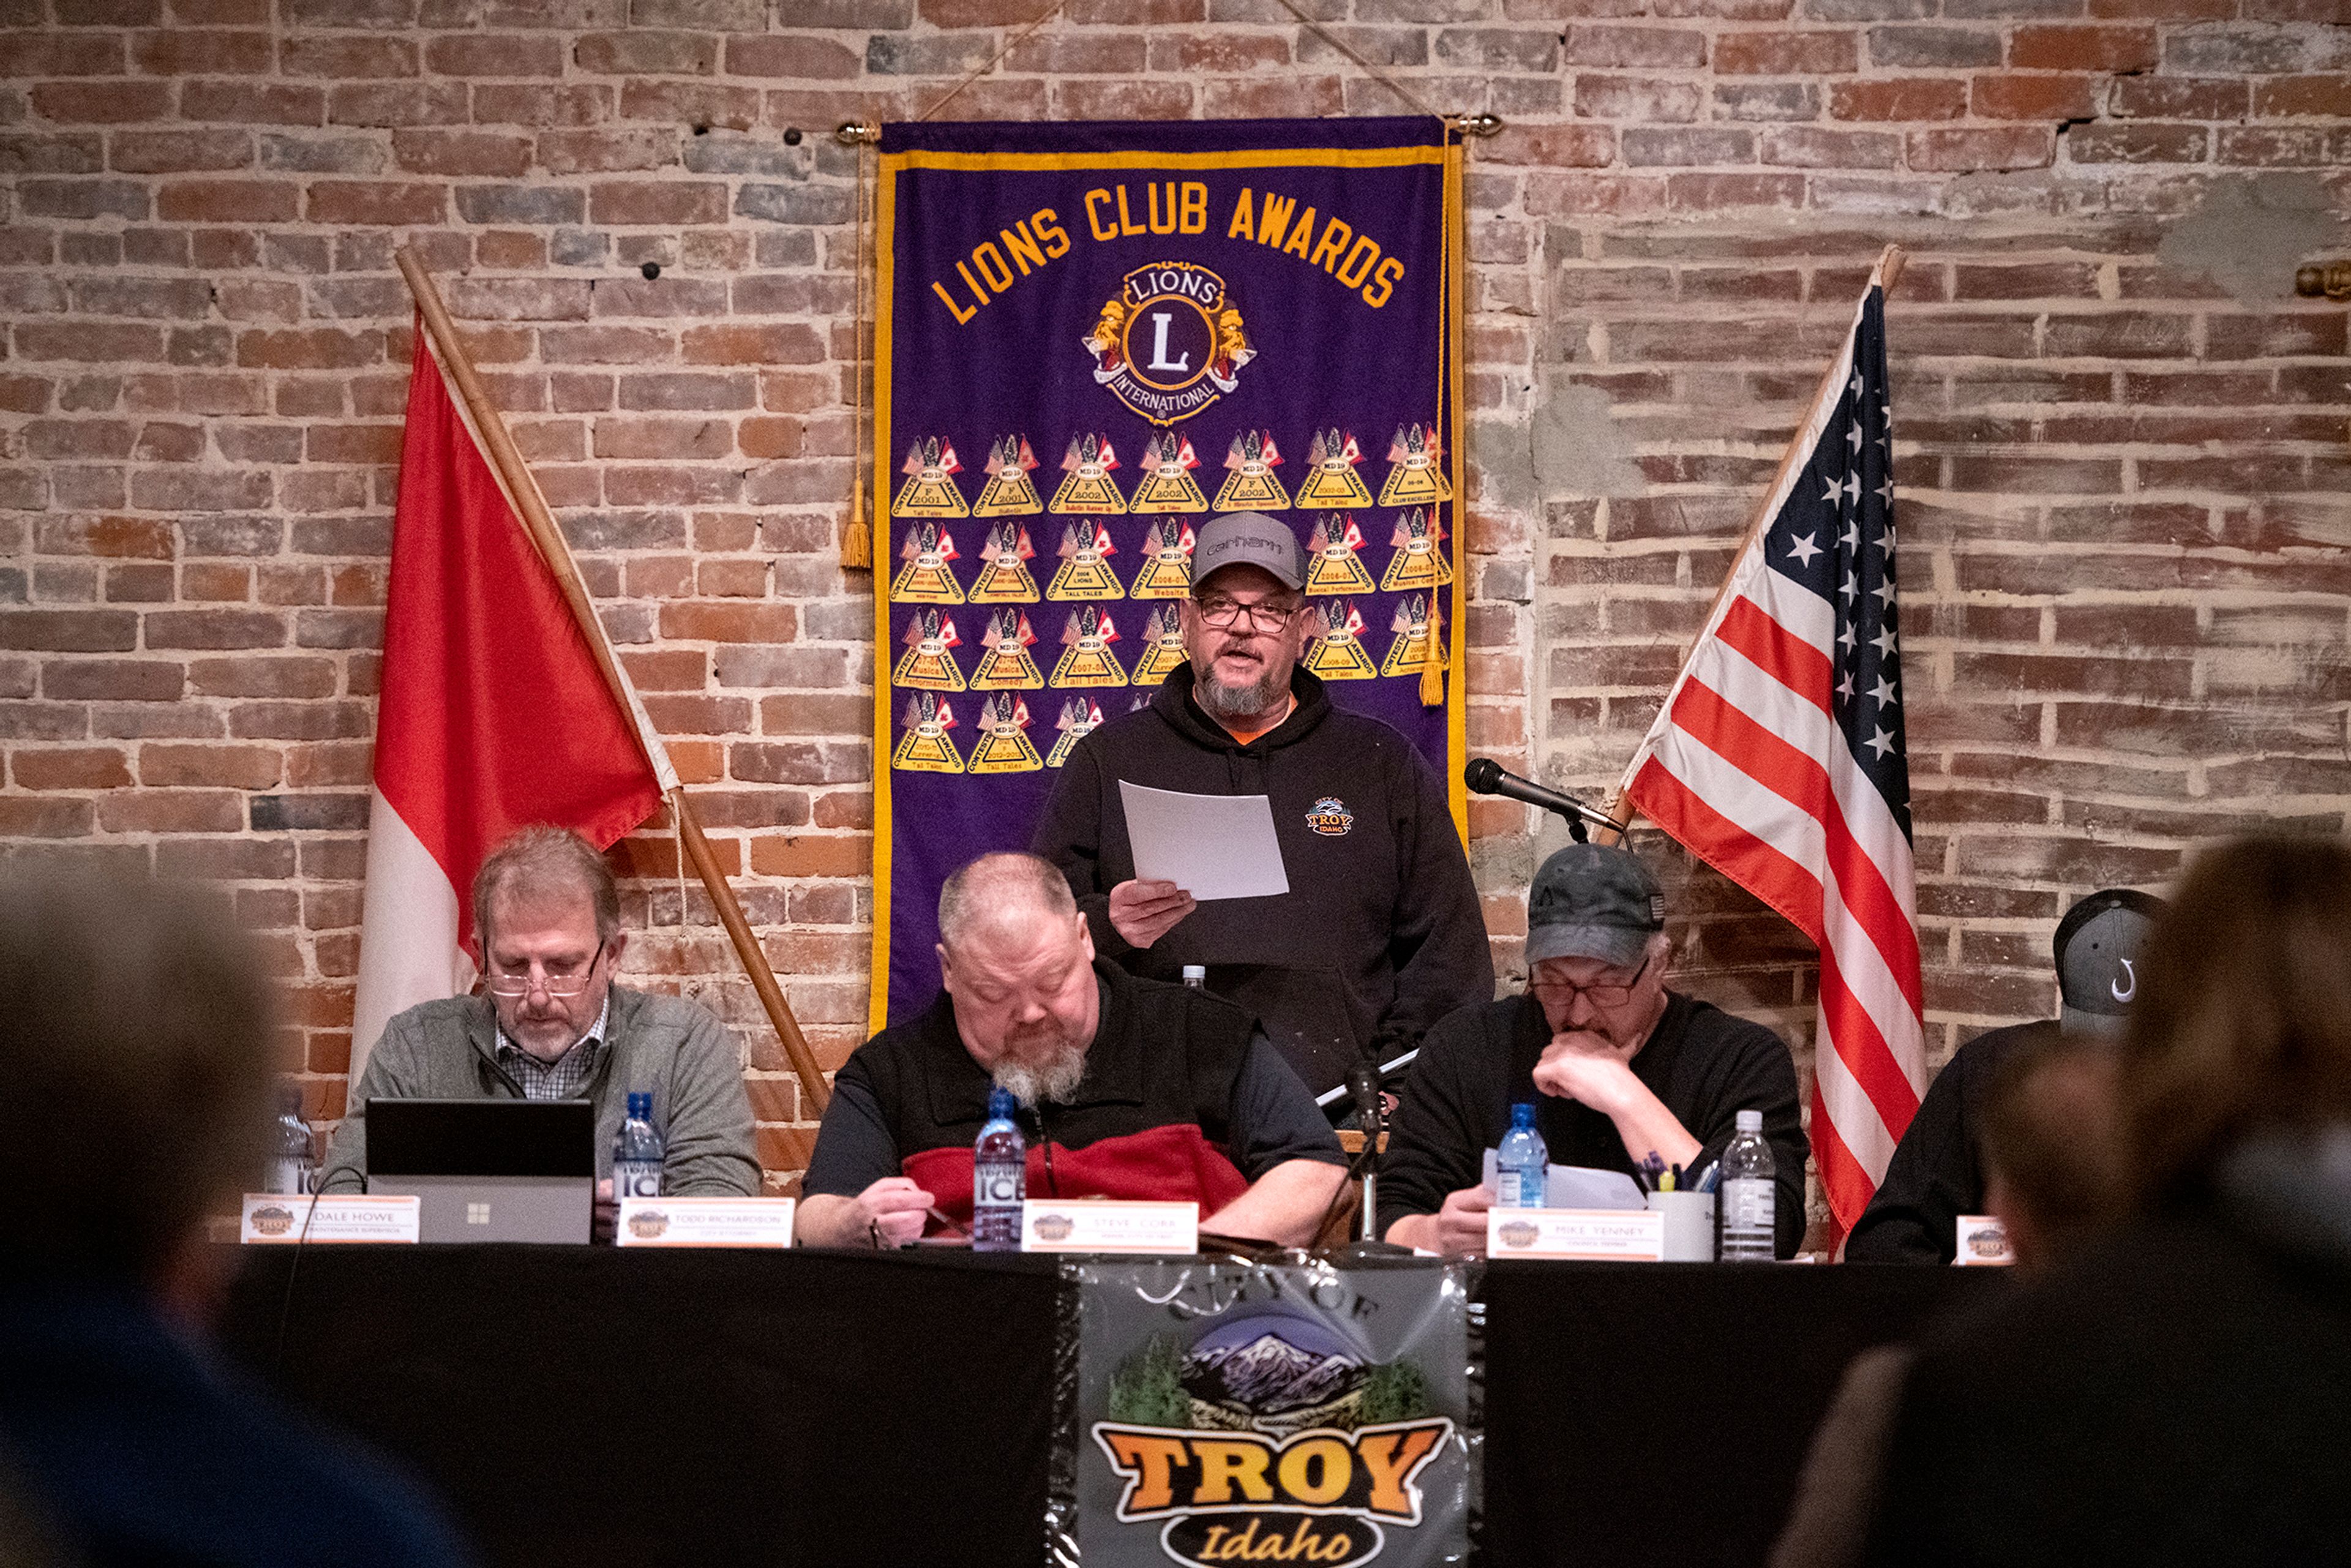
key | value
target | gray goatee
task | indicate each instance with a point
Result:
(1051, 1076)
(1224, 701)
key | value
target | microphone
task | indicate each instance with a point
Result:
(1486, 776)
(1364, 1085)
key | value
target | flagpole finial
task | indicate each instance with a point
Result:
(1890, 262)
(1481, 124)
(857, 133)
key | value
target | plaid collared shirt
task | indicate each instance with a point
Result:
(563, 1078)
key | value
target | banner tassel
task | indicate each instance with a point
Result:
(1431, 658)
(856, 538)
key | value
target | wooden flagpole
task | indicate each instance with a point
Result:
(1887, 272)
(531, 507)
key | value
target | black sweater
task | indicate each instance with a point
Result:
(1380, 933)
(1706, 1065)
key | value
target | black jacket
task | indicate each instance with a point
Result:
(1706, 1065)
(1937, 1174)
(1380, 933)
(1161, 1056)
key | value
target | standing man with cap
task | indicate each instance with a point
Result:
(1617, 1066)
(1380, 933)
(1937, 1173)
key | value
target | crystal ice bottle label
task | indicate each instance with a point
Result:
(636, 1178)
(993, 1185)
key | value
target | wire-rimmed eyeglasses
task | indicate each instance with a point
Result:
(557, 986)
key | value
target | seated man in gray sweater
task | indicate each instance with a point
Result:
(553, 1026)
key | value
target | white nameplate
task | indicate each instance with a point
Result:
(1620, 1234)
(1983, 1242)
(1107, 1225)
(272, 1218)
(705, 1222)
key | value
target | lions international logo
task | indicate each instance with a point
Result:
(1331, 817)
(1270, 1439)
(1170, 342)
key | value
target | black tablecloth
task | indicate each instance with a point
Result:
(585, 1405)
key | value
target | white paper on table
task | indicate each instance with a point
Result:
(1211, 846)
(1579, 1187)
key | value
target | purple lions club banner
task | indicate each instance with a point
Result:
(1091, 338)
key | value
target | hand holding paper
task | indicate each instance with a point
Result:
(1143, 911)
(1208, 846)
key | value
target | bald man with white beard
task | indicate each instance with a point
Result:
(1128, 1088)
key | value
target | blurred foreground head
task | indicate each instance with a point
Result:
(2051, 1149)
(135, 1049)
(2243, 1024)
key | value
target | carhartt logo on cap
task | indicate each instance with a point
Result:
(1249, 538)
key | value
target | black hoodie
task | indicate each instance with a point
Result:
(1380, 935)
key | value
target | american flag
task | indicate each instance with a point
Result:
(1778, 757)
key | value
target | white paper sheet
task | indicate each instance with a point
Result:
(1579, 1187)
(1211, 846)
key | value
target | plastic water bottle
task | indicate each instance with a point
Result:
(1522, 1162)
(1748, 1194)
(1195, 977)
(637, 1153)
(999, 1177)
(289, 1157)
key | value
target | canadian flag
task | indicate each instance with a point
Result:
(494, 714)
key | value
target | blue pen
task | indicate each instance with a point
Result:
(1707, 1177)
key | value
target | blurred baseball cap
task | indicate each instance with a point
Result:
(1249, 538)
(2099, 944)
(1594, 901)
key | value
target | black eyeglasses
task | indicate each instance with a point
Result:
(1265, 615)
(1564, 992)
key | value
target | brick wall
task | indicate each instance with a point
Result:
(2122, 451)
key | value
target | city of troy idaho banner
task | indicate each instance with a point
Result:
(1092, 338)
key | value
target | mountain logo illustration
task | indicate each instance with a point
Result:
(1271, 1436)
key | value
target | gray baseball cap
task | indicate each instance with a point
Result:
(1249, 538)
(2099, 946)
(1594, 901)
